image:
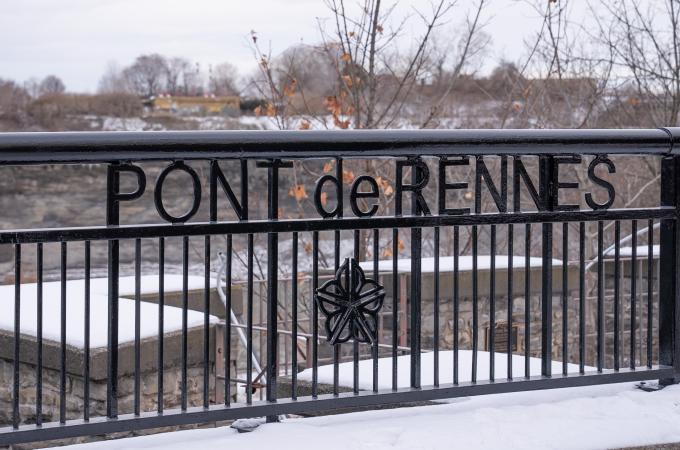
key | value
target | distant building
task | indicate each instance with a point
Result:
(188, 105)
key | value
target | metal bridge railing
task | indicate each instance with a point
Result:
(347, 302)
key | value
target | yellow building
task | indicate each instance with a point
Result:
(186, 105)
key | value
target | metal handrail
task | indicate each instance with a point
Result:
(91, 147)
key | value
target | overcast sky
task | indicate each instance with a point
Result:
(76, 39)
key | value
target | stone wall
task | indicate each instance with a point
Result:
(98, 378)
(75, 392)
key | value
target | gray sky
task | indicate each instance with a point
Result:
(76, 39)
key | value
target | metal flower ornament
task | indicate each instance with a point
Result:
(350, 303)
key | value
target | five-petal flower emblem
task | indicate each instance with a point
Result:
(350, 303)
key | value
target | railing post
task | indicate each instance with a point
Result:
(546, 180)
(112, 218)
(416, 284)
(272, 278)
(669, 294)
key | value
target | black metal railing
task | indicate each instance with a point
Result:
(344, 287)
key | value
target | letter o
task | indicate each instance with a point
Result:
(158, 192)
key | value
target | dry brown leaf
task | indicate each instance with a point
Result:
(328, 167)
(324, 198)
(298, 191)
(347, 176)
(385, 185)
(345, 57)
(308, 247)
(342, 124)
(305, 125)
(400, 245)
(289, 89)
(386, 253)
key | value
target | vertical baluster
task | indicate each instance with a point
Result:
(206, 322)
(161, 310)
(436, 307)
(138, 274)
(337, 348)
(633, 293)
(315, 314)
(112, 219)
(62, 378)
(395, 305)
(355, 343)
(294, 313)
(227, 327)
(185, 312)
(249, 325)
(86, 333)
(650, 291)
(600, 298)
(565, 297)
(417, 176)
(39, 337)
(456, 300)
(617, 294)
(527, 300)
(492, 306)
(511, 238)
(272, 307)
(547, 172)
(475, 306)
(582, 298)
(16, 418)
(376, 277)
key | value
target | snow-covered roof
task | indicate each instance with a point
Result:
(75, 309)
(642, 251)
(464, 263)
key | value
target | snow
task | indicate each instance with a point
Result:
(595, 417)
(464, 263)
(75, 309)
(641, 250)
(346, 370)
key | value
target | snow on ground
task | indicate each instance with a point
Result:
(346, 370)
(75, 309)
(595, 417)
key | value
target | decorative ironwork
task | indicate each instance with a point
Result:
(350, 303)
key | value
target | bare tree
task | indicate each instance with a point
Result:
(147, 74)
(51, 84)
(174, 70)
(642, 41)
(13, 105)
(223, 79)
(569, 83)
(192, 80)
(372, 81)
(113, 81)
